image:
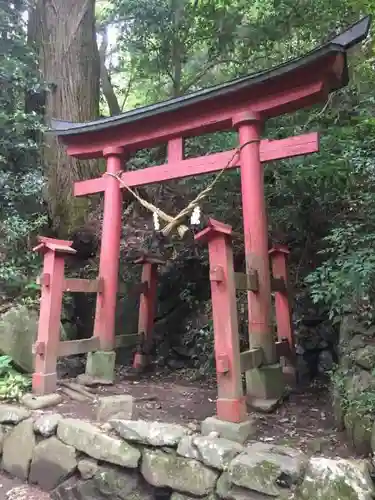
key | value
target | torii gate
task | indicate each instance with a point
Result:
(243, 104)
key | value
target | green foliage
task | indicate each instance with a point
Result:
(21, 178)
(12, 384)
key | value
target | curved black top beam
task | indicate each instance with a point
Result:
(341, 43)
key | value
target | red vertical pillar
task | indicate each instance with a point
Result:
(110, 252)
(259, 381)
(147, 307)
(231, 404)
(279, 256)
(44, 379)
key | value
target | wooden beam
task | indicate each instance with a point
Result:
(81, 285)
(247, 282)
(73, 347)
(253, 358)
(269, 151)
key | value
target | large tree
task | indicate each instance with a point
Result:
(64, 35)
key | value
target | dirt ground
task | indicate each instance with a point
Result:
(305, 419)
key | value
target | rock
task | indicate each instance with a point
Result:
(87, 468)
(168, 470)
(18, 331)
(52, 463)
(38, 402)
(356, 343)
(18, 450)
(46, 425)
(365, 357)
(113, 482)
(228, 491)
(89, 439)
(179, 496)
(339, 479)
(117, 407)
(359, 430)
(325, 362)
(2, 439)
(214, 452)
(338, 411)
(90, 381)
(238, 432)
(265, 405)
(10, 414)
(359, 383)
(267, 468)
(149, 433)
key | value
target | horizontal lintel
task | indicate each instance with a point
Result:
(270, 150)
(73, 347)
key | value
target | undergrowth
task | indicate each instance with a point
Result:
(13, 384)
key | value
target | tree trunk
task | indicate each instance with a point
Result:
(63, 32)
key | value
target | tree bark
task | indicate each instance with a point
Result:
(107, 87)
(63, 33)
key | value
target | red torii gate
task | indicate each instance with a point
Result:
(243, 104)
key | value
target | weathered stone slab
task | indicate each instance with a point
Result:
(179, 496)
(169, 470)
(238, 432)
(339, 479)
(228, 491)
(10, 414)
(88, 468)
(149, 433)
(265, 468)
(115, 407)
(52, 462)
(365, 357)
(214, 452)
(38, 402)
(89, 439)
(18, 450)
(46, 425)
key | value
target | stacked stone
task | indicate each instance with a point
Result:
(354, 391)
(139, 460)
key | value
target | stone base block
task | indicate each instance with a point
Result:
(266, 382)
(238, 432)
(44, 383)
(232, 410)
(101, 365)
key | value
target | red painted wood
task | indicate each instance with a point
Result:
(147, 307)
(279, 256)
(256, 235)
(270, 99)
(269, 151)
(231, 404)
(44, 379)
(175, 150)
(104, 326)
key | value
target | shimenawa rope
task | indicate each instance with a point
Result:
(172, 222)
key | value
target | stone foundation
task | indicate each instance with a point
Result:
(138, 460)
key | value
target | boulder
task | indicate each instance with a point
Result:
(18, 331)
(46, 425)
(359, 430)
(167, 470)
(228, 491)
(358, 383)
(89, 439)
(10, 414)
(18, 450)
(115, 407)
(113, 482)
(87, 468)
(266, 468)
(149, 433)
(52, 462)
(338, 479)
(365, 357)
(214, 452)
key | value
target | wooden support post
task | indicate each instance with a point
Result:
(231, 404)
(279, 255)
(46, 347)
(147, 307)
(104, 327)
(260, 382)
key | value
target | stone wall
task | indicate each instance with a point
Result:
(354, 385)
(138, 460)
